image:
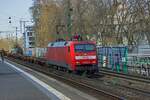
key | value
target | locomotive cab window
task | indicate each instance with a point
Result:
(84, 47)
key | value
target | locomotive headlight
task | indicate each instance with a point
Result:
(94, 62)
(77, 62)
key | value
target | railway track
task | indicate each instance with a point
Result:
(125, 76)
(103, 95)
(128, 77)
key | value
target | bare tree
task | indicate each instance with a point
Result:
(106, 21)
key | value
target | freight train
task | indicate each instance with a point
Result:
(71, 56)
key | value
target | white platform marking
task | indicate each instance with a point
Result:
(44, 85)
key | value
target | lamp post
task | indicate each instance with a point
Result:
(69, 20)
(16, 36)
(59, 28)
(16, 29)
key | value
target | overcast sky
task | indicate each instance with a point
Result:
(16, 9)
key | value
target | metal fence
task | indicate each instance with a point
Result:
(117, 59)
(139, 64)
(113, 58)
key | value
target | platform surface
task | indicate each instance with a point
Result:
(13, 86)
(18, 82)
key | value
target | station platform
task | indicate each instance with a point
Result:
(20, 83)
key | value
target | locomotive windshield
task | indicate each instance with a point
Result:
(84, 47)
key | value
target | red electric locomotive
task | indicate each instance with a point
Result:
(73, 55)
